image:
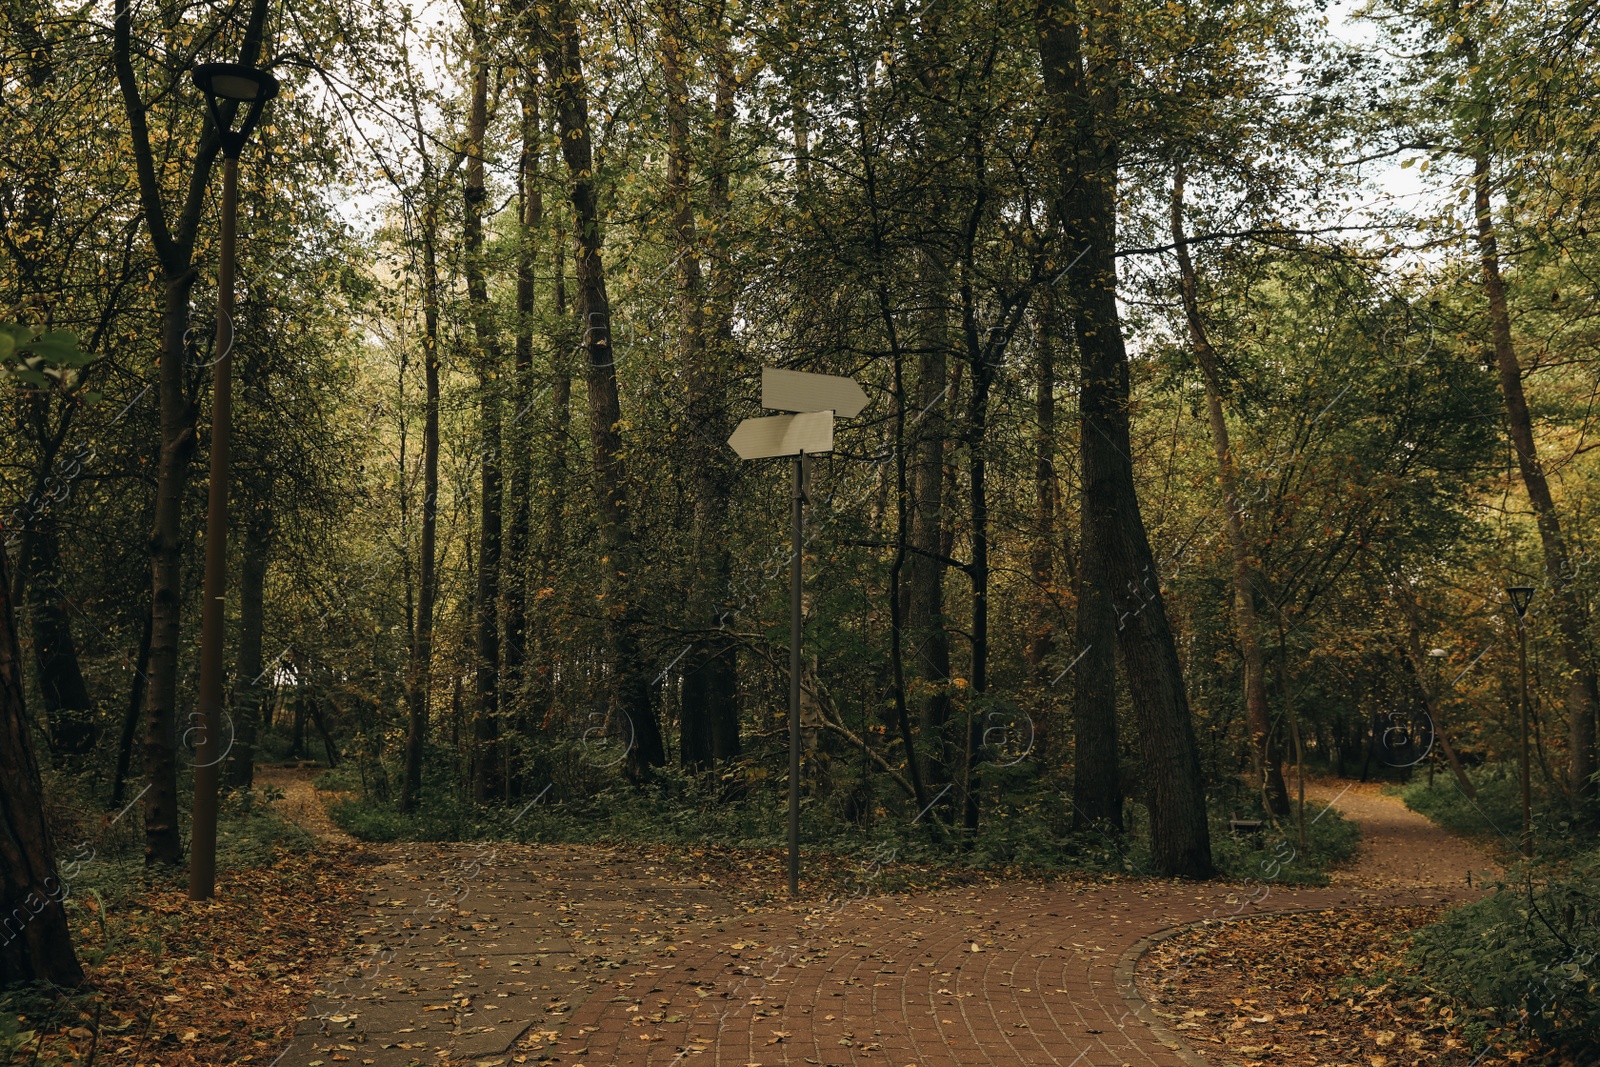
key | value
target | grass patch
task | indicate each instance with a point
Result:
(1494, 816)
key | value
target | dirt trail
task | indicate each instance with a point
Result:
(1398, 846)
(302, 803)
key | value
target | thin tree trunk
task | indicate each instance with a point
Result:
(553, 520)
(722, 665)
(709, 681)
(321, 723)
(1582, 697)
(1265, 762)
(249, 683)
(35, 941)
(1082, 102)
(486, 731)
(70, 726)
(162, 841)
(297, 736)
(173, 240)
(634, 716)
(924, 610)
(519, 438)
(421, 666)
(984, 365)
(1041, 560)
(130, 717)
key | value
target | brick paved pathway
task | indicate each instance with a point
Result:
(588, 957)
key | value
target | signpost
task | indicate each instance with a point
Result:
(815, 399)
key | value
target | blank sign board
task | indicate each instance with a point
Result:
(784, 435)
(792, 390)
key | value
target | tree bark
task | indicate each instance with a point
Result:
(1082, 103)
(634, 716)
(924, 609)
(722, 665)
(519, 503)
(130, 717)
(249, 684)
(984, 360)
(421, 666)
(1265, 762)
(173, 240)
(491, 360)
(1042, 556)
(35, 941)
(710, 683)
(71, 728)
(1582, 697)
(553, 519)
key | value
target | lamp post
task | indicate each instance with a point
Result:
(1521, 596)
(229, 89)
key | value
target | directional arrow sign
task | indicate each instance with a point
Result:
(784, 435)
(792, 390)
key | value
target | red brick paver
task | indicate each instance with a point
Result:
(634, 964)
(1014, 975)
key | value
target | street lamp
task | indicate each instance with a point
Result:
(229, 89)
(1521, 596)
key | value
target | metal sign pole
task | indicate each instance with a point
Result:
(814, 399)
(795, 591)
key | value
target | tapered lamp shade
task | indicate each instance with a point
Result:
(245, 87)
(233, 81)
(1521, 597)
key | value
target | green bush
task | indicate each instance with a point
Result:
(1526, 957)
(744, 808)
(1276, 854)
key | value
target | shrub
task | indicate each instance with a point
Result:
(1527, 956)
(1495, 814)
(1276, 855)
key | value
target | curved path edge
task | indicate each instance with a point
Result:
(1128, 989)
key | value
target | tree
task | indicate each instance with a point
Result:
(35, 942)
(634, 716)
(173, 240)
(1464, 95)
(1080, 57)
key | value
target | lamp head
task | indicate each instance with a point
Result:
(246, 87)
(1521, 597)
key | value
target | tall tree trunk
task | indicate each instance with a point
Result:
(173, 240)
(421, 667)
(709, 681)
(250, 685)
(518, 437)
(35, 941)
(162, 843)
(553, 519)
(924, 609)
(130, 717)
(69, 714)
(1265, 762)
(634, 716)
(1097, 756)
(1042, 556)
(491, 360)
(1582, 697)
(984, 360)
(722, 666)
(1082, 103)
(902, 543)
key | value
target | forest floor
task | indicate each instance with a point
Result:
(496, 954)
(1326, 987)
